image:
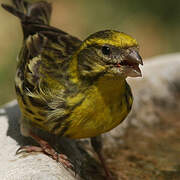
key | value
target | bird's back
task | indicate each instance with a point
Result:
(41, 80)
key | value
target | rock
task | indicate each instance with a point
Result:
(156, 97)
(26, 167)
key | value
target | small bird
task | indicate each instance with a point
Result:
(68, 87)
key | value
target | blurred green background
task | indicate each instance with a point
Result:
(155, 24)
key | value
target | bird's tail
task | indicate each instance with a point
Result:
(30, 13)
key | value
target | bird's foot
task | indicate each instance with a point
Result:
(47, 149)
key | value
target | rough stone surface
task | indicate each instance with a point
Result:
(156, 96)
(24, 167)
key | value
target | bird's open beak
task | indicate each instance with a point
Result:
(134, 57)
(132, 61)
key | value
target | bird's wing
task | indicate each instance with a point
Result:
(42, 71)
(45, 55)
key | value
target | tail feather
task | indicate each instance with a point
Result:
(30, 13)
(41, 11)
(14, 11)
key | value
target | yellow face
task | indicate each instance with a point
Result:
(109, 52)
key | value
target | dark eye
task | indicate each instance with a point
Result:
(106, 50)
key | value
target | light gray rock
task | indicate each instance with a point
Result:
(156, 95)
(24, 167)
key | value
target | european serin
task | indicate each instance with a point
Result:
(70, 87)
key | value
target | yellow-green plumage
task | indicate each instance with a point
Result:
(68, 87)
(100, 111)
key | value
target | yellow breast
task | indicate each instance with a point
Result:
(107, 103)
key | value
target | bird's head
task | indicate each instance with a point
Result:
(109, 52)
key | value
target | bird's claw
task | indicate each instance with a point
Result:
(28, 149)
(47, 150)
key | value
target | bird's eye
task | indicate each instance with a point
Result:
(106, 50)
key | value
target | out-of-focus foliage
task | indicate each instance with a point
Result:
(155, 24)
